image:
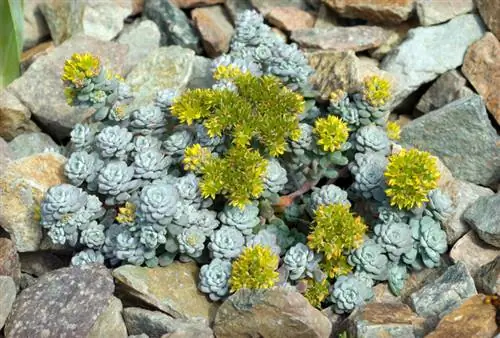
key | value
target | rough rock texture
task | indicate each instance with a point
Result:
(417, 279)
(41, 89)
(443, 295)
(447, 88)
(368, 67)
(22, 186)
(171, 289)
(26, 281)
(484, 217)
(482, 68)
(201, 76)
(384, 320)
(234, 7)
(489, 10)
(384, 295)
(273, 313)
(7, 297)
(473, 252)
(39, 263)
(382, 11)
(439, 48)
(474, 319)
(9, 260)
(433, 12)
(290, 18)
(461, 134)
(110, 323)
(487, 277)
(215, 29)
(67, 302)
(265, 6)
(35, 28)
(14, 116)
(356, 38)
(28, 144)
(196, 3)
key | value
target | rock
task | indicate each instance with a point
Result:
(265, 6)
(487, 277)
(168, 289)
(5, 155)
(196, 3)
(433, 12)
(137, 6)
(397, 34)
(381, 11)
(29, 56)
(41, 89)
(26, 281)
(9, 261)
(443, 295)
(439, 48)
(215, 29)
(355, 38)
(482, 68)
(173, 24)
(28, 144)
(35, 28)
(110, 323)
(338, 321)
(447, 88)
(484, 217)
(473, 252)
(290, 18)
(275, 312)
(68, 302)
(474, 318)
(368, 67)
(417, 279)
(234, 7)
(384, 295)
(7, 297)
(14, 116)
(39, 263)
(142, 39)
(326, 18)
(201, 76)
(460, 130)
(156, 323)
(22, 187)
(384, 320)
(172, 68)
(489, 9)
(191, 333)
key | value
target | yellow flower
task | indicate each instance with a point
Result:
(80, 67)
(376, 91)
(316, 292)
(126, 214)
(336, 96)
(335, 267)
(195, 156)
(393, 130)
(332, 132)
(227, 72)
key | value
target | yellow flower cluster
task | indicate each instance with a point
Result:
(336, 96)
(376, 90)
(331, 132)
(126, 214)
(336, 266)
(79, 68)
(393, 130)
(316, 292)
(195, 156)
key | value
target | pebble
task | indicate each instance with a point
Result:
(215, 29)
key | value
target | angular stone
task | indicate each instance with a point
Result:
(290, 18)
(192, 332)
(28, 144)
(265, 6)
(167, 67)
(443, 295)
(447, 88)
(67, 301)
(382, 11)
(171, 289)
(474, 318)
(460, 130)
(215, 29)
(275, 312)
(201, 76)
(7, 297)
(9, 260)
(110, 323)
(482, 68)
(35, 28)
(338, 321)
(39, 263)
(22, 187)
(14, 116)
(439, 48)
(473, 252)
(355, 38)
(489, 10)
(433, 12)
(196, 3)
(417, 279)
(174, 25)
(484, 217)
(487, 277)
(42, 91)
(235, 7)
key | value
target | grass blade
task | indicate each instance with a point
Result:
(11, 40)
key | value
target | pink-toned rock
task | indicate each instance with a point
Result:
(482, 68)
(265, 6)
(356, 38)
(473, 252)
(9, 260)
(290, 18)
(382, 11)
(490, 12)
(433, 12)
(215, 29)
(196, 3)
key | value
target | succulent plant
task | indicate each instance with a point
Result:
(165, 98)
(368, 170)
(431, 239)
(176, 143)
(395, 238)
(150, 164)
(152, 237)
(242, 219)
(83, 167)
(87, 257)
(370, 258)
(157, 203)
(397, 275)
(92, 235)
(82, 137)
(300, 261)
(191, 242)
(114, 142)
(116, 180)
(149, 120)
(372, 138)
(226, 243)
(349, 293)
(328, 194)
(439, 206)
(214, 279)
(275, 177)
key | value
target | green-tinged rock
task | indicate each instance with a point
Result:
(7, 297)
(461, 134)
(32, 143)
(110, 323)
(484, 217)
(488, 277)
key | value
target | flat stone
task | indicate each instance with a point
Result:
(215, 29)
(382, 11)
(484, 217)
(68, 302)
(168, 289)
(487, 277)
(489, 10)
(439, 48)
(448, 87)
(235, 7)
(460, 130)
(173, 23)
(290, 18)
(474, 318)
(22, 187)
(473, 252)
(39, 263)
(433, 12)
(9, 261)
(42, 91)
(35, 28)
(326, 18)
(201, 77)
(196, 3)
(265, 6)
(355, 38)
(482, 68)
(110, 323)
(384, 320)
(28, 144)
(275, 312)
(443, 295)
(7, 297)
(14, 116)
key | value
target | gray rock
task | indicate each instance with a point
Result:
(201, 76)
(473, 252)
(488, 277)
(174, 25)
(39, 263)
(5, 155)
(35, 28)
(31, 143)
(9, 260)
(110, 323)
(26, 281)
(234, 7)
(428, 52)
(41, 89)
(14, 116)
(7, 297)
(462, 136)
(433, 12)
(484, 217)
(443, 295)
(67, 301)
